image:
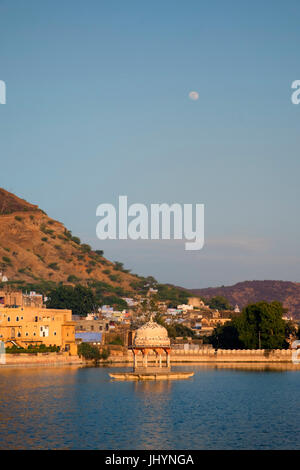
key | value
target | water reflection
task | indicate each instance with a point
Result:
(249, 366)
(221, 407)
(153, 387)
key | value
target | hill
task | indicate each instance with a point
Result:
(247, 292)
(39, 253)
(34, 247)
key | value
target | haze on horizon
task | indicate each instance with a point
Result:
(98, 106)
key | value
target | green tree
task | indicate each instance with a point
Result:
(226, 337)
(220, 303)
(259, 326)
(115, 302)
(81, 300)
(117, 341)
(89, 351)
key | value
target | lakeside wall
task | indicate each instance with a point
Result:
(41, 359)
(123, 356)
(210, 355)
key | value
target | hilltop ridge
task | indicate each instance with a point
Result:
(34, 247)
(10, 203)
(247, 292)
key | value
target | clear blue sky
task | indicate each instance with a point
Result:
(97, 107)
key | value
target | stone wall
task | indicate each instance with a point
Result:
(232, 355)
(120, 355)
(40, 359)
(210, 355)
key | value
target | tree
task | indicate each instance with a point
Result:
(117, 341)
(81, 300)
(119, 266)
(90, 352)
(226, 337)
(220, 303)
(115, 302)
(291, 332)
(259, 326)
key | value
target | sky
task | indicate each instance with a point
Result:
(98, 106)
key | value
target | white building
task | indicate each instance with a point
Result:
(185, 307)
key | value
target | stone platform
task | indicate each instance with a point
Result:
(151, 375)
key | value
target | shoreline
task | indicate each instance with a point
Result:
(246, 366)
(125, 358)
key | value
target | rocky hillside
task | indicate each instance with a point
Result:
(247, 292)
(34, 247)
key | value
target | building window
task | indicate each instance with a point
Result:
(54, 333)
(17, 319)
(8, 318)
(26, 334)
(44, 331)
(19, 334)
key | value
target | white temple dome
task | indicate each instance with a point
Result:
(151, 334)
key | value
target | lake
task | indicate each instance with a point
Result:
(221, 407)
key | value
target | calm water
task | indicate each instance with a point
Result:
(81, 408)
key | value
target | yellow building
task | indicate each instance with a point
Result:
(9, 297)
(26, 326)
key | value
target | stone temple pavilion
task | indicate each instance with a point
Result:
(149, 338)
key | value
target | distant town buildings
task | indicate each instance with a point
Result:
(130, 302)
(18, 298)
(185, 307)
(196, 302)
(96, 339)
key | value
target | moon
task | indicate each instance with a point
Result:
(194, 95)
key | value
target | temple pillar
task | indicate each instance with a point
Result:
(168, 352)
(135, 358)
(144, 352)
(168, 360)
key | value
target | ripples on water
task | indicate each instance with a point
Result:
(82, 408)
